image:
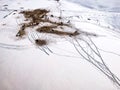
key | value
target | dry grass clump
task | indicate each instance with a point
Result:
(52, 30)
(39, 16)
(34, 17)
(35, 14)
(46, 28)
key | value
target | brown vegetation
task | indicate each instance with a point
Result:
(51, 30)
(35, 17)
(21, 33)
(38, 16)
(40, 42)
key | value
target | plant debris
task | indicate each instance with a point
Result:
(37, 16)
(52, 25)
(34, 17)
(40, 42)
(21, 33)
(50, 29)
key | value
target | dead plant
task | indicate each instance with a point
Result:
(40, 42)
